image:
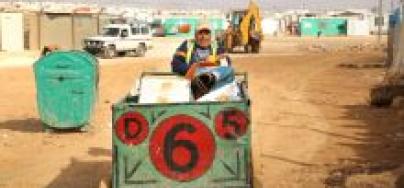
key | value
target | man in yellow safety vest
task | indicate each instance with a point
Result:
(203, 62)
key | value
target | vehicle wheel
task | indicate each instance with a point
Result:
(141, 50)
(92, 53)
(247, 48)
(255, 47)
(251, 174)
(229, 50)
(381, 96)
(48, 129)
(109, 52)
(84, 129)
(121, 54)
(106, 183)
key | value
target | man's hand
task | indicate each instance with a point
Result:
(191, 71)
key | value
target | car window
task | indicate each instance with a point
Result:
(125, 33)
(110, 32)
(135, 30)
(145, 30)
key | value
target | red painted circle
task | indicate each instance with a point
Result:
(182, 148)
(231, 124)
(181, 156)
(132, 128)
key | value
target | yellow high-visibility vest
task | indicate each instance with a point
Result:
(191, 46)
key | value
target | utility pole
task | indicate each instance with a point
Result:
(380, 21)
(402, 8)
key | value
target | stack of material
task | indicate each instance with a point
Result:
(226, 87)
(228, 92)
(164, 89)
(157, 89)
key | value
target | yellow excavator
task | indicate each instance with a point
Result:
(244, 30)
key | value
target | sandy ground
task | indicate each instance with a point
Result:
(312, 125)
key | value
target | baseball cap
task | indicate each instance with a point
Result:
(203, 27)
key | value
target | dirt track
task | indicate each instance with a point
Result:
(312, 123)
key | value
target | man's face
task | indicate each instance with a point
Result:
(203, 38)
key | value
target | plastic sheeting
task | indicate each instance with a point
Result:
(228, 92)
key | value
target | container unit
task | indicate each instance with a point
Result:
(67, 30)
(270, 26)
(11, 32)
(56, 28)
(374, 29)
(84, 25)
(358, 27)
(323, 26)
(31, 30)
(217, 24)
(172, 26)
(185, 144)
(67, 87)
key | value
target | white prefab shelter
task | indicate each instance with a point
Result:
(374, 28)
(358, 27)
(11, 32)
(270, 26)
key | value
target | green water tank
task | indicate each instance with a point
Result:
(67, 87)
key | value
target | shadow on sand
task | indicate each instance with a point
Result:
(85, 174)
(29, 125)
(381, 147)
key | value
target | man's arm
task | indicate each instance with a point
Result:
(221, 52)
(179, 64)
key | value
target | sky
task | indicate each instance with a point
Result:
(226, 4)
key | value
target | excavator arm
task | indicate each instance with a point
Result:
(245, 30)
(251, 22)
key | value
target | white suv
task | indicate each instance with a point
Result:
(120, 38)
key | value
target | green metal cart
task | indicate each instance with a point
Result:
(185, 145)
